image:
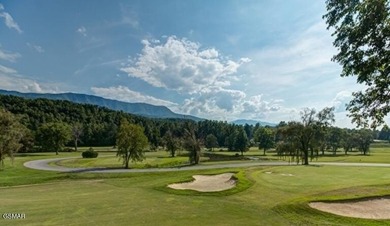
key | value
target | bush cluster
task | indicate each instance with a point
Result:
(90, 153)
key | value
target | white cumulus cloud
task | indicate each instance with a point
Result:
(214, 101)
(341, 99)
(257, 104)
(228, 104)
(181, 65)
(204, 75)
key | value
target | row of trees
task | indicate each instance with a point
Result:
(50, 129)
(314, 134)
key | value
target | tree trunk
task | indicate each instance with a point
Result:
(264, 152)
(75, 144)
(127, 159)
(306, 157)
(196, 157)
(311, 152)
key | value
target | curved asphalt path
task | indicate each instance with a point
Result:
(43, 164)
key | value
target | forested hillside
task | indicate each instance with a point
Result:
(144, 109)
(99, 124)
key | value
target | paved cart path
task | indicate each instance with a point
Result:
(44, 164)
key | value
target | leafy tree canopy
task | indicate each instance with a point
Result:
(53, 136)
(131, 142)
(11, 135)
(362, 37)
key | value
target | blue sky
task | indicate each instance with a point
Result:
(221, 59)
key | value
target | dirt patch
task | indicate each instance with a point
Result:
(378, 208)
(205, 183)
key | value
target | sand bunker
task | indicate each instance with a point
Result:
(211, 183)
(378, 208)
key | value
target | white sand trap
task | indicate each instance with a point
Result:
(211, 183)
(378, 208)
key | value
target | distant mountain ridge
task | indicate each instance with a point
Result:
(252, 122)
(143, 109)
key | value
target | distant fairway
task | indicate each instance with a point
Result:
(278, 196)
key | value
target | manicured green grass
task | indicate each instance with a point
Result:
(376, 155)
(16, 174)
(158, 159)
(154, 159)
(115, 162)
(264, 196)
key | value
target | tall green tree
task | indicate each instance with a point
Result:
(348, 140)
(241, 143)
(302, 134)
(384, 134)
(364, 139)
(77, 132)
(211, 141)
(53, 136)
(334, 138)
(171, 142)
(362, 37)
(11, 135)
(230, 136)
(131, 143)
(265, 138)
(191, 142)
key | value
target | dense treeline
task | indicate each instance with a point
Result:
(89, 125)
(97, 126)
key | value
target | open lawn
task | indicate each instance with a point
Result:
(152, 160)
(161, 159)
(376, 155)
(269, 196)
